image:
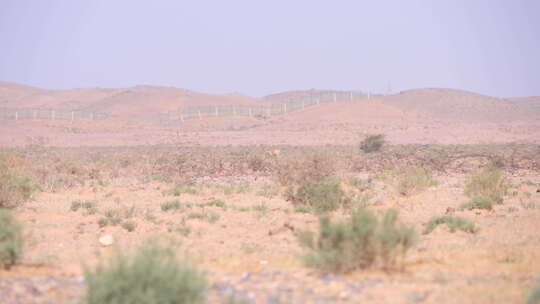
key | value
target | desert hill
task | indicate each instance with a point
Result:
(124, 102)
(459, 105)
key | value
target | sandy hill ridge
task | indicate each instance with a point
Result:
(135, 101)
(459, 105)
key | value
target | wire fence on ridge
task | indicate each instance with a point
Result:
(49, 114)
(272, 108)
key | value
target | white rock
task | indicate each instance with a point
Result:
(106, 240)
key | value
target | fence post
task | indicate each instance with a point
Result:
(16, 115)
(368, 95)
(249, 111)
(34, 114)
(335, 96)
(303, 104)
(199, 114)
(216, 111)
(52, 115)
(72, 115)
(284, 108)
(350, 98)
(182, 117)
(234, 110)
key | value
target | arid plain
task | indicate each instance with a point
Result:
(225, 192)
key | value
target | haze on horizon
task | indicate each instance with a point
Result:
(259, 48)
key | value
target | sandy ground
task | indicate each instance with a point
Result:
(250, 244)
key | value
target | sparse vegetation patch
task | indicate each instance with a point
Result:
(11, 239)
(358, 242)
(453, 223)
(152, 274)
(488, 182)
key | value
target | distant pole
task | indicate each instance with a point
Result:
(216, 111)
(234, 110)
(91, 115)
(249, 111)
(368, 95)
(199, 114)
(52, 114)
(34, 113)
(72, 115)
(335, 97)
(16, 115)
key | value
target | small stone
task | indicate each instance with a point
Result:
(106, 240)
(263, 262)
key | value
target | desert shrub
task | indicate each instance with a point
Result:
(129, 225)
(453, 223)
(488, 182)
(372, 143)
(170, 205)
(322, 195)
(295, 170)
(15, 186)
(357, 242)
(534, 296)
(414, 180)
(152, 274)
(11, 239)
(478, 202)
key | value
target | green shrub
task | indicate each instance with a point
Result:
(322, 195)
(75, 205)
(129, 226)
(488, 182)
(452, 222)
(478, 202)
(170, 205)
(414, 180)
(372, 143)
(151, 275)
(357, 242)
(11, 239)
(534, 296)
(15, 187)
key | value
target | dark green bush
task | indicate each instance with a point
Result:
(322, 195)
(372, 143)
(11, 239)
(478, 202)
(452, 222)
(152, 275)
(358, 242)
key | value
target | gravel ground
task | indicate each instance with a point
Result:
(263, 287)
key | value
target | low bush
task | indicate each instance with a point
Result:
(152, 275)
(488, 182)
(357, 242)
(322, 195)
(15, 186)
(170, 205)
(478, 202)
(11, 239)
(372, 143)
(414, 180)
(453, 223)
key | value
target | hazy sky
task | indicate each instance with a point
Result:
(262, 47)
